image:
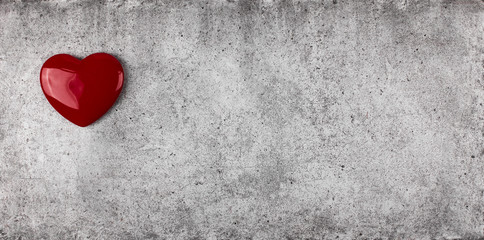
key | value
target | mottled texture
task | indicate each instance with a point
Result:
(249, 120)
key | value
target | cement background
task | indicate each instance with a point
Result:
(249, 120)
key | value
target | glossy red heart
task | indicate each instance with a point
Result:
(82, 90)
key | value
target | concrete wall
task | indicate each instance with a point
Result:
(249, 120)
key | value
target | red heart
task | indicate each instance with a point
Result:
(82, 90)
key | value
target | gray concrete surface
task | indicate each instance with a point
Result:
(249, 120)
